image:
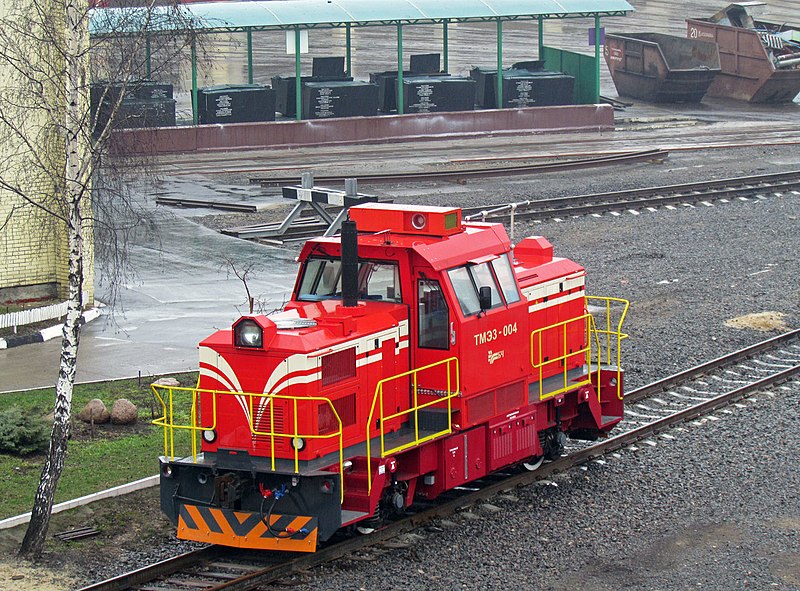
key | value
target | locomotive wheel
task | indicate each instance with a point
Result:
(533, 463)
(365, 530)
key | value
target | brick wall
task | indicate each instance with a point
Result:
(33, 253)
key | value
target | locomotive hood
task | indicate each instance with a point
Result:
(287, 347)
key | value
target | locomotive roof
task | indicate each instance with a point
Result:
(475, 240)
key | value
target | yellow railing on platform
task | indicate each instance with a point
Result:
(558, 330)
(451, 391)
(607, 334)
(602, 345)
(166, 396)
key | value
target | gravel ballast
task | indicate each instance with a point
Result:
(716, 508)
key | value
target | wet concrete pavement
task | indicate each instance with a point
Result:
(181, 291)
(183, 287)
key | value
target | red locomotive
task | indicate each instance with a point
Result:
(418, 353)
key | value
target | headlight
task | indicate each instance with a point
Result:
(166, 469)
(298, 443)
(248, 334)
(209, 436)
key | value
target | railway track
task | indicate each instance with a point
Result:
(485, 172)
(651, 411)
(638, 199)
(262, 164)
(648, 198)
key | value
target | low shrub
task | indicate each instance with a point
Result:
(21, 433)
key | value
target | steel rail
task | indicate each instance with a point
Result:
(704, 368)
(636, 198)
(295, 563)
(157, 570)
(274, 573)
(571, 206)
(211, 204)
(456, 175)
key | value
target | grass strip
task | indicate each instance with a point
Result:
(97, 459)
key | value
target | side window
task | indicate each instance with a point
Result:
(465, 290)
(502, 269)
(483, 278)
(434, 317)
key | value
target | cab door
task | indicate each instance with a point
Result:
(491, 334)
(432, 344)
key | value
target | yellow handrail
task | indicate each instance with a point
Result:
(415, 408)
(168, 423)
(540, 364)
(613, 334)
(613, 338)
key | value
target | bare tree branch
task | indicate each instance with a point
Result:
(58, 161)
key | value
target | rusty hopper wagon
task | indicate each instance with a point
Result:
(760, 61)
(661, 68)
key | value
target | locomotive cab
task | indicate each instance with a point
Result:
(414, 356)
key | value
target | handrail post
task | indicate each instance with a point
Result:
(416, 408)
(272, 433)
(296, 436)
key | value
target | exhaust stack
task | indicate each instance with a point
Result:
(349, 264)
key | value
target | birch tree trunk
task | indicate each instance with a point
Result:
(78, 166)
(35, 536)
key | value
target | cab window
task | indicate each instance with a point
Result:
(505, 276)
(465, 290)
(322, 280)
(434, 317)
(495, 274)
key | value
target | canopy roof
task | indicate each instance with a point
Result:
(210, 17)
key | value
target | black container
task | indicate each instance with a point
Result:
(284, 90)
(137, 113)
(523, 88)
(235, 103)
(387, 89)
(431, 94)
(145, 104)
(538, 89)
(322, 100)
(425, 63)
(328, 67)
(148, 90)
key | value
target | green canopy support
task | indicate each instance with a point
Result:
(399, 69)
(597, 58)
(194, 79)
(541, 38)
(298, 83)
(349, 49)
(499, 64)
(445, 46)
(249, 56)
(148, 64)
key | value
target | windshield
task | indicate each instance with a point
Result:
(322, 280)
(468, 280)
